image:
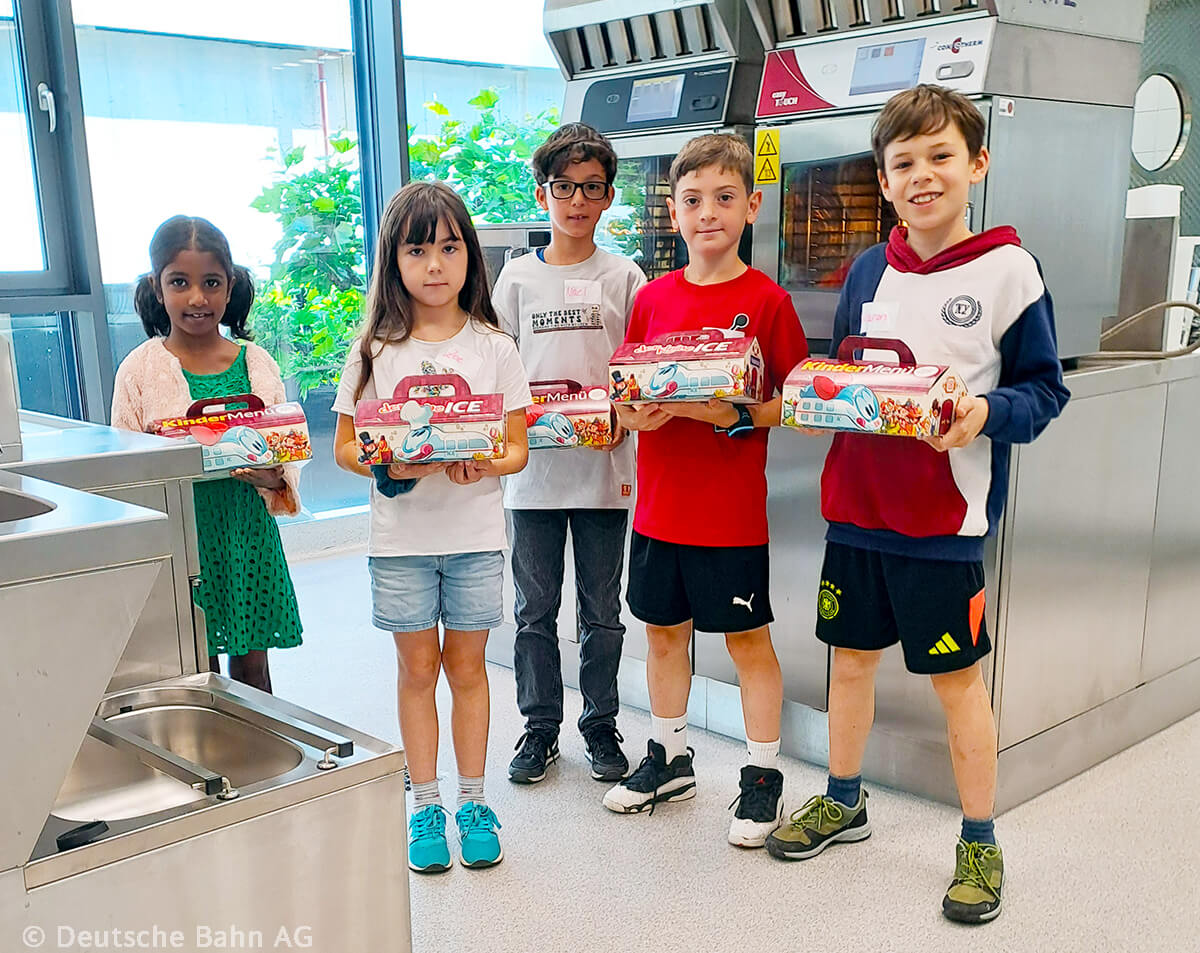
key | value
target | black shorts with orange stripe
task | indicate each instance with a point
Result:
(933, 607)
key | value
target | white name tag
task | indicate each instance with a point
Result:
(579, 292)
(460, 362)
(880, 318)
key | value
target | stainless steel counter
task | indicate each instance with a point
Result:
(75, 573)
(148, 471)
(167, 805)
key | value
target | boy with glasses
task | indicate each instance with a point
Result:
(567, 306)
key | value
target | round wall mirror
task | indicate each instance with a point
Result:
(1160, 123)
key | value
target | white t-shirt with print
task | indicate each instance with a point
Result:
(437, 517)
(568, 320)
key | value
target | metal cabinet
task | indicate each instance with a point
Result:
(1077, 549)
(1172, 639)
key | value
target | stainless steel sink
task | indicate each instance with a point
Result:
(232, 748)
(182, 748)
(18, 506)
(108, 783)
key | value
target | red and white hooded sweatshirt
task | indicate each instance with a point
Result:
(982, 308)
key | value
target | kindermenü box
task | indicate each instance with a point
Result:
(905, 399)
(430, 418)
(240, 431)
(566, 414)
(692, 365)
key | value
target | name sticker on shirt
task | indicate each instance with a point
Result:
(880, 318)
(580, 292)
(458, 361)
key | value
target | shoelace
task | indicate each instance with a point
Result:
(816, 811)
(473, 816)
(532, 740)
(757, 800)
(604, 744)
(970, 869)
(428, 822)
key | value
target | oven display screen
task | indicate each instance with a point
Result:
(888, 66)
(655, 99)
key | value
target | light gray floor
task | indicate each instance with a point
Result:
(1105, 862)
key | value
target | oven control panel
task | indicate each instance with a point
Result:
(868, 69)
(670, 99)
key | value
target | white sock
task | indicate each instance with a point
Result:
(671, 733)
(425, 793)
(470, 789)
(763, 754)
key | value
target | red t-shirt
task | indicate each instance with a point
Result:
(697, 486)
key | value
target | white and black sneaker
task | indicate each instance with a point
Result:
(534, 752)
(653, 781)
(759, 806)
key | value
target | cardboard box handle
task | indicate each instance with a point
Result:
(688, 337)
(404, 388)
(859, 342)
(556, 386)
(220, 405)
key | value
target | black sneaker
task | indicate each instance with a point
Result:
(534, 752)
(759, 806)
(603, 747)
(654, 781)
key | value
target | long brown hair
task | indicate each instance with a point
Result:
(412, 217)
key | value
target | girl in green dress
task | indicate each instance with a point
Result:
(245, 590)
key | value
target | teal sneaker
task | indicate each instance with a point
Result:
(478, 844)
(428, 852)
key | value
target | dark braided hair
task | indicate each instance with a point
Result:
(184, 233)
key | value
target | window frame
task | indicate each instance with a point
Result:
(36, 65)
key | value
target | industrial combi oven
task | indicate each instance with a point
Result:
(650, 75)
(1055, 83)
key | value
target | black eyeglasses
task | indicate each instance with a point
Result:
(565, 189)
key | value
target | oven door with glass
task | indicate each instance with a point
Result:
(825, 211)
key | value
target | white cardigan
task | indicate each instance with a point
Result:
(150, 386)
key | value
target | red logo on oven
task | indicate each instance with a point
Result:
(785, 89)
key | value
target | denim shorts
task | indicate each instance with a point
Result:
(463, 590)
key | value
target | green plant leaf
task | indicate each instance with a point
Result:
(486, 99)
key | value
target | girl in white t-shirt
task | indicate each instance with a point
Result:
(437, 529)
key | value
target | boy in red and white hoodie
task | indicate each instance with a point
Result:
(908, 519)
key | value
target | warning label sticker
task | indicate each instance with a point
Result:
(766, 157)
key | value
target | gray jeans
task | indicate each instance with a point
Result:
(538, 544)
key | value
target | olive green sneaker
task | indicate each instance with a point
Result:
(819, 823)
(974, 894)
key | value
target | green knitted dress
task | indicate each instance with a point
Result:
(245, 589)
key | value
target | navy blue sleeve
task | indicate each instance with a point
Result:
(1031, 391)
(386, 485)
(861, 281)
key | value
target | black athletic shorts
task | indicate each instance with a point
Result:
(932, 607)
(720, 588)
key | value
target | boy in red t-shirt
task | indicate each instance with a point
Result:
(699, 553)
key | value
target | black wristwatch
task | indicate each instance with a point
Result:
(740, 427)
